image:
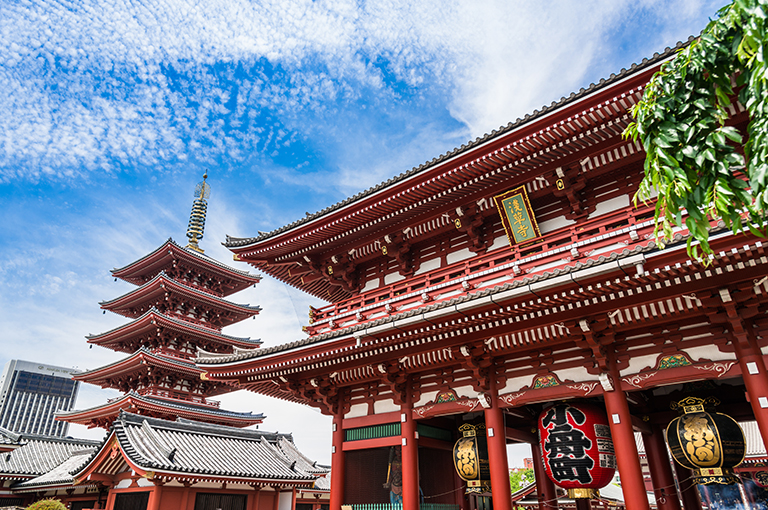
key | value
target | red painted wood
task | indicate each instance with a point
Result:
(410, 454)
(364, 444)
(664, 488)
(337, 463)
(545, 488)
(497, 452)
(627, 458)
(372, 419)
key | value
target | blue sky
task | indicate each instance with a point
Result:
(110, 112)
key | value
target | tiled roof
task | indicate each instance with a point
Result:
(167, 404)
(143, 352)
(39, 455)
(61, 474)
(233, 242)
(204, 296)
(8, 436)
(193, 253)
(183, 323)
(202, 449)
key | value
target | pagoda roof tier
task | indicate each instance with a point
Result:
(145, 368)
(149, 329)
(169, 296)
(187, 265)
(581, 134)
(103, 415)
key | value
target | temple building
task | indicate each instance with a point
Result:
(177, 309)
(509, 291)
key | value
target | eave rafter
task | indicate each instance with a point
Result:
(662, 296)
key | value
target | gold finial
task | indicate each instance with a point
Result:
(197, 217)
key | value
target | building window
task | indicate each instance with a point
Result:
(210, 501)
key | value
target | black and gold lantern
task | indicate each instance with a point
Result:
(470, 456)
(709, 444)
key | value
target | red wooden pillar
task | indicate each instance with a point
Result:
(751, 363)
(185, 498)
(254, 498)
(661, 471)
(547, 492)
(276, 502)
(689, 492)
(337, 463)
(154, 497)
(109, 505)
(497, 451)
(583, 504)
(627, 458)
(410, 454)
(293, 499)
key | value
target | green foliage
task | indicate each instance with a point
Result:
(520, 478)
(693, 159)
(47, 504)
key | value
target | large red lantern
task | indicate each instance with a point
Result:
(576, 448)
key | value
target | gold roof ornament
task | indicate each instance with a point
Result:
(197, 217)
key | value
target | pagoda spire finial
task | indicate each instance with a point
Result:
(197, 217)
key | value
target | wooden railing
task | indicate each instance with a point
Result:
(605, 234)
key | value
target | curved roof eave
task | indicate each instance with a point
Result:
(242, 242)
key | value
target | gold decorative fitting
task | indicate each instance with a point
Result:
(694, 405)
(196, 225)
(582, 493)
(560, 184)
(383, 250)
(457, 222)
(330, 269)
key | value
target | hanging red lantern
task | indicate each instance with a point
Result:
(709, 444)
(576, 448)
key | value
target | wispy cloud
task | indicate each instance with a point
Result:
(113, 85)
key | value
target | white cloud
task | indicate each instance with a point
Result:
(110, 84)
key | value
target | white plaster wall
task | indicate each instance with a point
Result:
(357, 410)
(428, 265)
(465, 391)
(392, 278)
(576, 374)
(370, 285)
(515, 383)
(710, 352)
(284, 501)
(143, 482)
(555, 224)
(385, 406)
(500, 242)
(637, 363)
(426, 397)
(610, 205)
(459, 255)
(123, 484)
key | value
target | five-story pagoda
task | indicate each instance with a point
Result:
(178, 308)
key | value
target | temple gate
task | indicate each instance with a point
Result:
(493, 281)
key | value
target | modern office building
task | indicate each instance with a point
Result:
(30, 394)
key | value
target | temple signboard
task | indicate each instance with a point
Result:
(517, 215)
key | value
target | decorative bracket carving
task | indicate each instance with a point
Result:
(479, 362)
(469, 219)
(397, 246)
(570, 183)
